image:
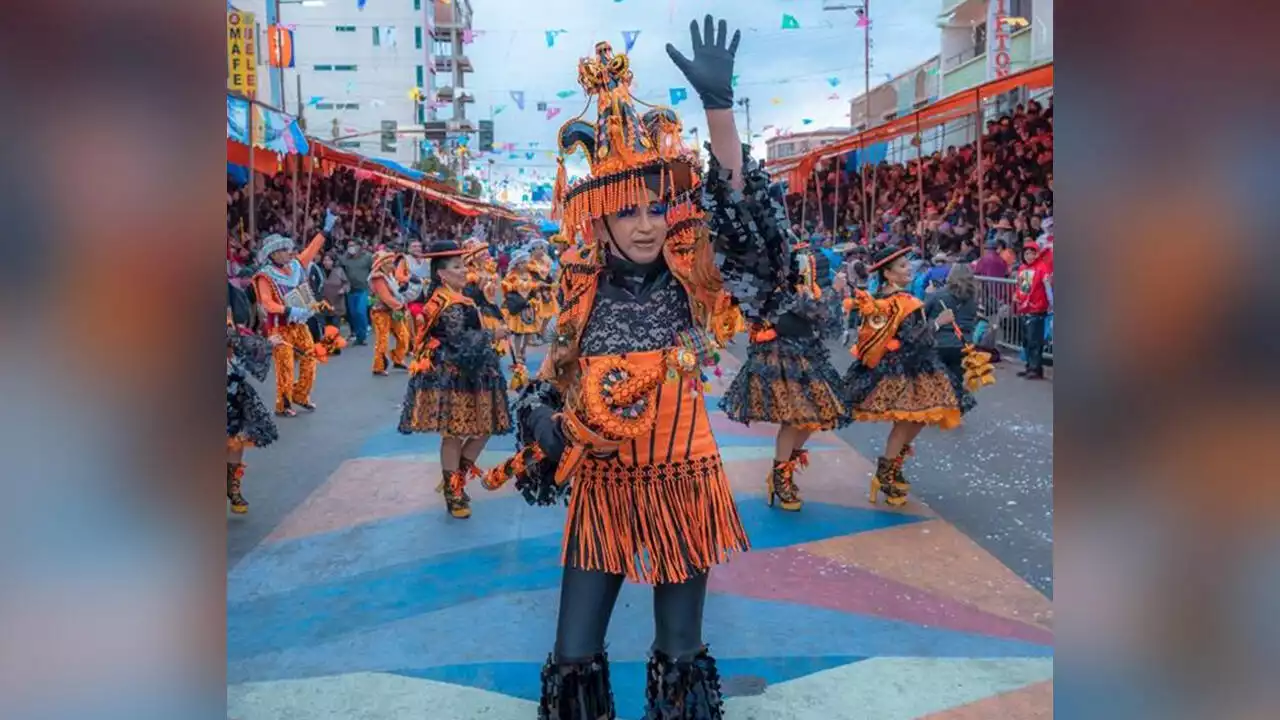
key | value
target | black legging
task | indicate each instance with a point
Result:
(586, 604)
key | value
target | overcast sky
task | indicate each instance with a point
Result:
(784, 72)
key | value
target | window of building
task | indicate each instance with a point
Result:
(344, 68)
(323, 68)
(348, 143)
(418, 73)
(345, 28)
(377, 37)
(417, 38)
(417, 4)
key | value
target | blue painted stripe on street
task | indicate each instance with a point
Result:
(412, 586)
(521, 627)
(281, 566)
(521, 680)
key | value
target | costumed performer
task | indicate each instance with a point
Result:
(419, 273)
(392, 287)
(896, 375)
(619, 408)
(248, 422)
(520, 308)
(788, 378)
(542, 268)
(287, 302)
(456, 387)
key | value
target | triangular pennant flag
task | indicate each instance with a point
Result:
(565, 93)
(513, 156)
(678, 94)
(629, 38)
(767, 127)
(733, 81)
(499, 108)
(468, 36)
(776, 101)
(518, 96)
(806, 121)
(360, 4)
(790, 23)
(833, 81)
(833, 96)
(551, 36)
(533, 143)
(552, 112)
(862, 20)
(314, 99)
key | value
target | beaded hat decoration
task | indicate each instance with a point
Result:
(628, 153)
(272, 244)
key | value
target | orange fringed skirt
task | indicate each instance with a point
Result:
(661, 509)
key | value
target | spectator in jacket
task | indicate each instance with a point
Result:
(961, 296)
(1033, 301)
(991, 264)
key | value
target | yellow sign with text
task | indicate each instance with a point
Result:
(242, 54)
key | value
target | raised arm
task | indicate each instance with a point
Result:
(309, 253)
(710, 72)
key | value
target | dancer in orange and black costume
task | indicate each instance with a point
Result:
(520, 309)
(483, 285)
(618, 410)
(788, 378)
(456, 387)
(249, 423)
(897, 376)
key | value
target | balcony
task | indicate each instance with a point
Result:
(446, 94)
(446, 31)
(967, 69)
(444, 63)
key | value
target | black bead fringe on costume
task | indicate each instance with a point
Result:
(576, 691)
(683, 689)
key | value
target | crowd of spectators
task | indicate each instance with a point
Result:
(380, 217)
(1017, 195)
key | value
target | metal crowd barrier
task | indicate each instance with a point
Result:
(995, 296)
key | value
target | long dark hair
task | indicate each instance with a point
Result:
(961, 283)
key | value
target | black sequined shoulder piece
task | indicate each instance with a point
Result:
(750, 235)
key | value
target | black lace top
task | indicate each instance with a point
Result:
(637, 308)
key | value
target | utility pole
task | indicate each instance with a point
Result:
(867, 203)
(745, 103)
(302, 125)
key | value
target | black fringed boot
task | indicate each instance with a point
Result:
(683, 689)
(576, 690)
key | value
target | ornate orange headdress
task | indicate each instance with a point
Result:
(626, 151)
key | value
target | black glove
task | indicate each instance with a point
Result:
(711, 70)
(547, 432)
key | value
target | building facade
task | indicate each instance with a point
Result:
(355, 70)
(900, 95)
(782, 147)
(963, 23)
(447, 120)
